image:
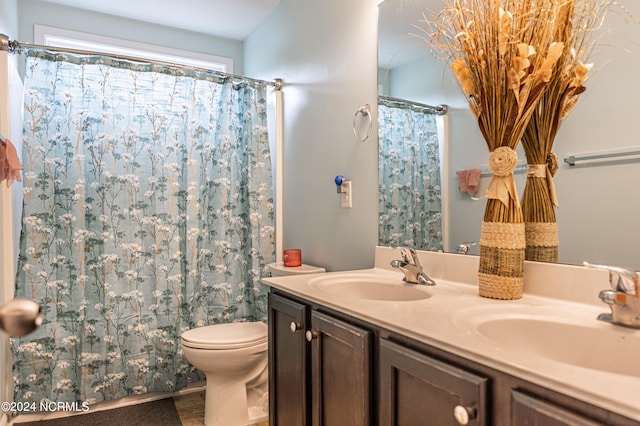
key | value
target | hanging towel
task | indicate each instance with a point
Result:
(468, 181)
(10, 165)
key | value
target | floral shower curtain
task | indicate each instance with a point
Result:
(148, 211)
(410, 208)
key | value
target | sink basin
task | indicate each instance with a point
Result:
(383, 286)
(593, 345)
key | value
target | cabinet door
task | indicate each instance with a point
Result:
(341, 372)
(288, 363)
(416, 389)
(530, 411)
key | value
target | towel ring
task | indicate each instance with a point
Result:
(363, 110)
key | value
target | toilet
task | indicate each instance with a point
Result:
(233, 358)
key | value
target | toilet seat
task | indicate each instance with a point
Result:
(235, 335)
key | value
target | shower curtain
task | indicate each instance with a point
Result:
(410, 205)
(148, 210)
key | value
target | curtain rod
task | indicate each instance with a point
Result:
(441, 109)
(16, 47)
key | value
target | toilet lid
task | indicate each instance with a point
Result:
(226, 336)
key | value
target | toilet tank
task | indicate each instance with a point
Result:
(279, 270)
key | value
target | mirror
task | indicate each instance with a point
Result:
(599, 198)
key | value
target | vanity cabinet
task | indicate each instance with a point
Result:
(328, 368)
(416, 389)
(319, 367)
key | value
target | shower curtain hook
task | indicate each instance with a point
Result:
(365, 111)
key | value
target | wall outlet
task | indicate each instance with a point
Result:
(346, 195)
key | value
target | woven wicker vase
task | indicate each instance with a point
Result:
(502, 250)
(541, 229)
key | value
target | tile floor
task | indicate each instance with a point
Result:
(190, 408)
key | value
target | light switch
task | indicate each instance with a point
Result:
(346, 195)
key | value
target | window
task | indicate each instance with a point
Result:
(50, 36)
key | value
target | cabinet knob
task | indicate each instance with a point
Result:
(295, 326)
(311, 335)
(464, 414)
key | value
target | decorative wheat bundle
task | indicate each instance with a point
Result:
(503, 54)
(574, 26)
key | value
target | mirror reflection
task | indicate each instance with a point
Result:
(598, 197)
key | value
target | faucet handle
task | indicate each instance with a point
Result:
(409, 255)
(621, 278)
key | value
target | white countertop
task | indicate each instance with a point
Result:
(449, 320)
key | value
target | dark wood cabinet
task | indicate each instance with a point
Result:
(341, 372)
(288, 362)
(527, 410)
(337, 389)
(329, 369)
(416, 389)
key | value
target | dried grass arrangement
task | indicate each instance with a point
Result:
(503, 53)
(574, 26)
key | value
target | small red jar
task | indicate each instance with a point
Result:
(292, 257)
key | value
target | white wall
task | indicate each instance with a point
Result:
(326, 55)
(598, 204)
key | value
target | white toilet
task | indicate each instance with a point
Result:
(233, 358)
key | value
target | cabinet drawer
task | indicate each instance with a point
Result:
(416, 389)
(529, 410)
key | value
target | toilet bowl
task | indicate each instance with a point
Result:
(233, 358)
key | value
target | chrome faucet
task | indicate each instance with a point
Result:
(463, 248)
(410, 266)
(623, 299)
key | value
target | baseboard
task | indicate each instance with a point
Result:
(108, 405)
(147, 397)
